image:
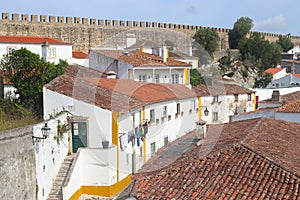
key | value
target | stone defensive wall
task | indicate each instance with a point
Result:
(89, 32)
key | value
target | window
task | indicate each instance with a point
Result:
(215, 116)
(215, 99)
(51, 52)
(9, 50)
(236, 97)
(152, 115)
(193, 105)
(178, 109)
(175, 78)
(165, 112)
(133, 120)
(153, 148)
(166, 141)
(249, 97)
(142, 78)
(156, 78)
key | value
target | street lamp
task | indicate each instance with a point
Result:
(45, 132)
(206, 112)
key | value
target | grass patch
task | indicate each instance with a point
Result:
(13, 115)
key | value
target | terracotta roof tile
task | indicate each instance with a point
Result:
(252, 159)
(273, 71)
(140, 59)
(79, 54)
(293, 107)
(296, 75)
(31, 40)
(119, 95)
(287, 98)
(221, 89)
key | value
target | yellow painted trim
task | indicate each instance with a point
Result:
(115, 139)
(197, 63)
(104, 191)
(199, 108)
(142, 49)
(255, 103)
(167, 53)
(186, 76)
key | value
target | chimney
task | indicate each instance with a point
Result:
(276, 96)
(200, 129)
(164, 53)
(45, 46)
(130, 40)
(190, 50)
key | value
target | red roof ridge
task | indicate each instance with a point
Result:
(31, 40)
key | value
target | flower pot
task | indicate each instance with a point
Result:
(105, 144)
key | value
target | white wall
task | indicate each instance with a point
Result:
(49, 155)
(280, 74)
(99, 120)
(264, 94)
(93, 166)
(63, 52)
(82, 62)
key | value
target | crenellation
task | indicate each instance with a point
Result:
(5, 16)
(43, 18)
(154, 24)
(52, 19)
(100, 22)
(115, 23)
(69, 20)
(25, 17)
(34, 18)
(60, 19)
(122, 23)
(93, 21)
(85, 21)
(142, 24)
(76, 20)
(148, 24)
(171, 26)
(15, 17)
(108, 22)
(135, 24)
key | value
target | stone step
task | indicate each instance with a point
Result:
(56, 192)
(54, 196)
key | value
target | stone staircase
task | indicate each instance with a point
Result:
(61, 178)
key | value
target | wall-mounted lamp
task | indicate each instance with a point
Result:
(45, 132)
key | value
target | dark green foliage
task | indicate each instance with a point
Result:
(240, 30)
(1, 87)
(225, 62)
(260, 50)
(208, 39)
(29, 73)
(263, 80)
(285, 43)
(195, 77)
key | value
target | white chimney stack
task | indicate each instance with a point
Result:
(164, 53)
(190, 50)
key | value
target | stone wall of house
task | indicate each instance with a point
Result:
(17, 164)
(85, 33)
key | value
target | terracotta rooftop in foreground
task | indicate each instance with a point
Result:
(287, 98)
(251, 159)
(140, 59)
(293, 107)
(31, 40)
(119, 95)
(221, 89)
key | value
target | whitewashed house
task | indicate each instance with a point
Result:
(290, 80)
(117, 112)
(140, 66)
(222, 101)
(276, 72)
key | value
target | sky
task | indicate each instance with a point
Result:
(273, 16)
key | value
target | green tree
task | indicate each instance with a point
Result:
(29, 73)
(240, 30)
(208, 39)
(285, 43)
(263, 80)
(196, 78)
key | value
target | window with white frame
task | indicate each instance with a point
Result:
(153, 148)
(142, 78)
(249, 97)
(166, 140)
(10, 49)
(51, 52)
(156, 78)
(193, 105)
(178, 109)
(152, 115)
(236, 97)
(215, 99)
(215, 116)
(175, 78)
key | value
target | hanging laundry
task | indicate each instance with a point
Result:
(140, 131)
(138, 142)
(123, 141)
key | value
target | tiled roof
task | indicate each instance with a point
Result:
(287, 98)
(296, 75)
(119, 95)
(293, 107)
(252, 159)
(220, 89)
(140, 59)
(79, 54)
(31, 40)
(273, 71)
